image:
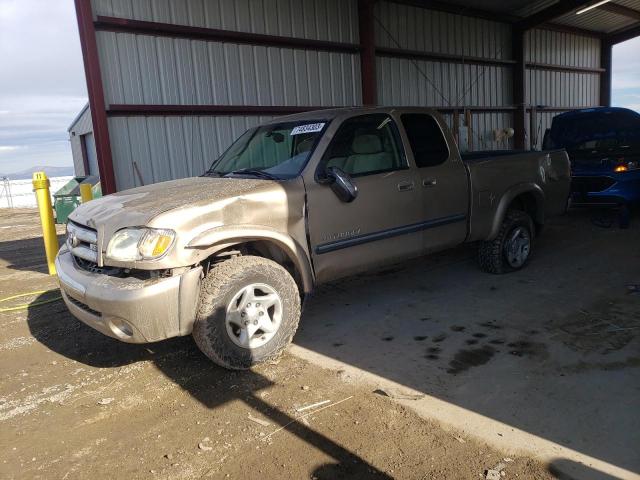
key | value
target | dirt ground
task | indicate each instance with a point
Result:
(76, 404)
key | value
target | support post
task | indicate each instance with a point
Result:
(366, 22)
(519, 81)
(533, 129)
(41, 188)
(456, 127)
(86, 195)
(467, 121)
(606, 51)
(96, 94)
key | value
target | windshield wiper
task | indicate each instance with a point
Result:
(252, 171)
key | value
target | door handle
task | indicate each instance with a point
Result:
(429, 182)
(405, 186)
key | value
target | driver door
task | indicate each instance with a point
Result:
(379, 226)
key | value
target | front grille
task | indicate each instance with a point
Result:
(93, 267)
(84, 306)
(590, 184)
(83, 242)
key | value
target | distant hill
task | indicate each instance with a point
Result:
(50, 171)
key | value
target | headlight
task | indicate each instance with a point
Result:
(626, 166)
(139, 244)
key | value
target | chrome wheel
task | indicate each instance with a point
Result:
(254, 315)
(517, 247)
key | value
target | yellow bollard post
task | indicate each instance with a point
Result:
(41, 189)
(85, 192)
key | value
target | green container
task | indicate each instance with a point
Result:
(67, 199)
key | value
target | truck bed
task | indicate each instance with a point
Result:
(498, 177)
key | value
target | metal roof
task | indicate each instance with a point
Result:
(77, 117)
(602, 20)
(598, 20)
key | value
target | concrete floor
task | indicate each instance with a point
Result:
(542, 363)
(544, 360)
(75, 404)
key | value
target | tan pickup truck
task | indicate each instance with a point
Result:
(302, 200)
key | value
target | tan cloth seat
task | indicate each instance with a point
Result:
(368, 156)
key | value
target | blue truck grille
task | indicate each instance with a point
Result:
(590, 184)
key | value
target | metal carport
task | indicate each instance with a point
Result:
(172, 83)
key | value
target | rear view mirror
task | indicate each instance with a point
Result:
(342, 184)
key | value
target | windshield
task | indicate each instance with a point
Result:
(597, 132)
(279, 150)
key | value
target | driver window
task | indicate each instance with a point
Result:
(366, 145)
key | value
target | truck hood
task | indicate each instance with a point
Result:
(138, 206)
(192, 207)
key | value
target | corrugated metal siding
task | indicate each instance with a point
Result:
(334, 20)
(414, 28)
(545, 46)
(165, 148)
(560, 89)
(542, 122)
(426, 83)
(81, 126)
(482, 130)
(141, 69)
(483, 126)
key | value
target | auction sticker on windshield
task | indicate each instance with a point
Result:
(310, 128)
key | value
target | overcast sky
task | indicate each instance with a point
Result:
(42, 83)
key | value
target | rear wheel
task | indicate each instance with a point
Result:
(248, 312)
(511, 248)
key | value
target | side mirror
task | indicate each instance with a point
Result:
(341, 184)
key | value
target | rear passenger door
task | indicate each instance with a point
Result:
(443, 180)
(378, 227)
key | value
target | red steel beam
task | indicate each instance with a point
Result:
(366, 21)
(606, 55)
(96, 95)
(441, 57)
(563, 68)
(137, 110)
(131, 110)
(560, 108)
(519, 94)
(125, 25)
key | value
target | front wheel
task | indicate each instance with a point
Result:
(248, 312)
(511, 248)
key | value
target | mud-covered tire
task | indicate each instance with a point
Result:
(492, 255)
(217, 291)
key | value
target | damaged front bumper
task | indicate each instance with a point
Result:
(130, 309)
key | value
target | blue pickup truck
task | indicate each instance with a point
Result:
(604, 148)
